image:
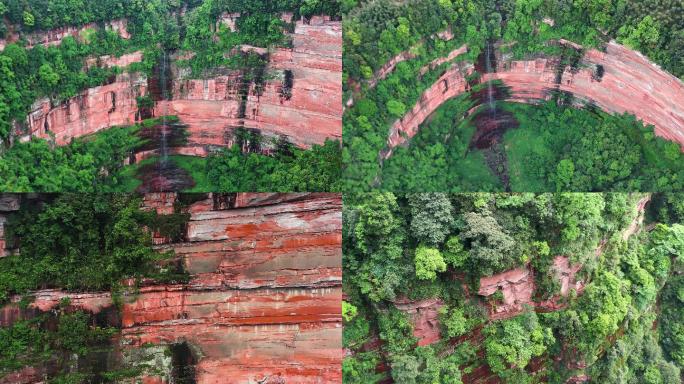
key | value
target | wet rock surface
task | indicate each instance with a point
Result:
(617, 80)
(263, 301)
(300, 98)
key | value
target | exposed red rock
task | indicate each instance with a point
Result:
(451, 84)
(630, 83)
(94, 109)
(424, 315)
(517, 286)
(313, 112)
(264, 297)
(55, 36)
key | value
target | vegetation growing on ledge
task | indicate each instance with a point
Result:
(378, 31)
(610, 330)
(554, 148)
(95, 163)
(84, 242)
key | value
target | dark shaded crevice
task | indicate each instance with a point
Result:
(223, 201)
(183, 364)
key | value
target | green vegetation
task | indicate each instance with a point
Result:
(156, 27)
(95, 164)
(79, 243)
(556, 147)
(85, 165)
(288, 169)
(59, 337)
(612, 326)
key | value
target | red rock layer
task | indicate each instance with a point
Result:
(424, 315)
(451, 84)
(94, 109)
(630, 83)
(264, 299)
(55, 36)
(210, 107)
(312, 114)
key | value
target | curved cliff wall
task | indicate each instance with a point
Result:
(312, 113)
(92, 110)
(264, 300)
(629, 83)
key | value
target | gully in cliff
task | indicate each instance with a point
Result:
(170, 288)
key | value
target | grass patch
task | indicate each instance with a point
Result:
(196, 167)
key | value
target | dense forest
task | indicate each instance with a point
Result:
(619, 321)
(78, 242)
(380, 30)
(554, 148)
(58, 72)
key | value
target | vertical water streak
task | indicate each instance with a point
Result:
(164, 144)
(490, 90)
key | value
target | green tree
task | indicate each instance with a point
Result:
(29, 20)
(396, 108)
(454, 254)
(491, 248)
(431, 217)
(428, 262)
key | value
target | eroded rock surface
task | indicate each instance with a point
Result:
(264, 298)
(424, 315)
(301, 98)
(626, 82)
(309, 115)
(92, 110)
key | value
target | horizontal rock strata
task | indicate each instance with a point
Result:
(264, 298)
(629, 83)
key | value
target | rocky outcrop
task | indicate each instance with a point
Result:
(424, 315)
(92, 110)
(618, 80)
(264, 299)
(55, 36)
(517, 288)
(301, 98)
(308, 114)
(451, 84)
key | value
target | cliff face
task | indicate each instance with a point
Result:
(55, 36)
(263, 301)
(629, 83)
(301, 97)
(618, 80)
(451, 84)
(94, 109)
(310, 113)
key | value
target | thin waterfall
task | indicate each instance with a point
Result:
(164, 140)
(490, 88)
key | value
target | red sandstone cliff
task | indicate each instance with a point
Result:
(94, 109)
(55, 36)
(630, 83)
(264, 299)
(312, 113)
(210, 107)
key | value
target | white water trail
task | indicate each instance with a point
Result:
(490, 89)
